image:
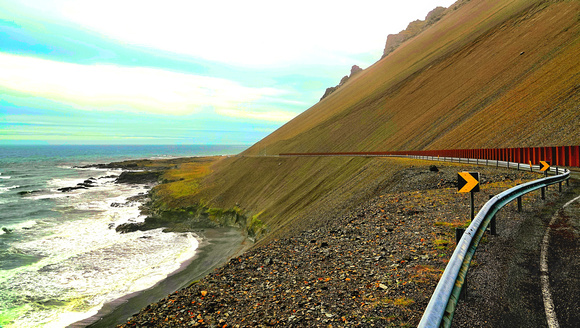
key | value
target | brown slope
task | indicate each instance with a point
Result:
(464, 82)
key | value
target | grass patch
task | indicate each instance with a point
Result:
(425, 273)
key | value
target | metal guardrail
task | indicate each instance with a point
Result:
(441, 307)
(558, 155)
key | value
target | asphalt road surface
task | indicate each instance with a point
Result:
(507, 284)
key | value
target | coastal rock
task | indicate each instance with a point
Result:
(69, 189)
(129, 227)
(139, 177)
(89, 183)
(27, 192)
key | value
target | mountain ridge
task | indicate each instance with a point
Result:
(386, 98)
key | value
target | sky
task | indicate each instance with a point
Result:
(179, 71)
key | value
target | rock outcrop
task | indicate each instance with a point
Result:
(141, 177)
(353, 71)
(413, 29)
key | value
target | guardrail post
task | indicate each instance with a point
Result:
(543, 193)
(458, 234)
(472, 206)
(559, 183)
(520, 204)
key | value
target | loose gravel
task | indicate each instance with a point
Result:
(375, 266)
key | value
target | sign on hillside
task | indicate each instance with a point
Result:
(467, 181)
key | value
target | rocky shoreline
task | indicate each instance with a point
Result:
(374, 266)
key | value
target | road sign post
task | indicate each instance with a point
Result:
(544, 167)
(468, 182)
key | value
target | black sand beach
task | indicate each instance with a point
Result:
(216, 247)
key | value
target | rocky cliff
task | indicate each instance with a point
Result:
(353, 71)
(413, 29)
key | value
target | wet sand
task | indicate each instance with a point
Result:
(216, 247)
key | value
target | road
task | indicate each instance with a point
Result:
(508, 286)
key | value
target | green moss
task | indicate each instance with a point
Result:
(256, 227)
(199, 216)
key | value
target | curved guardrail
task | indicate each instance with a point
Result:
(441, 307)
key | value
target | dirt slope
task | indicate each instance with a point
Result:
(489, 74)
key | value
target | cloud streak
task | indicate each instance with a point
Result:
(254, 33)
(137, 89)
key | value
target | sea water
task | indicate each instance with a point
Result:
(60, 256)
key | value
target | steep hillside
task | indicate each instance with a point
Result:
(488, 74)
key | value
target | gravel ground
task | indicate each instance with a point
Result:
(375, 266)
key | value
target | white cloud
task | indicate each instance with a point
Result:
(252, 32)
(274, 116)
(132, 88)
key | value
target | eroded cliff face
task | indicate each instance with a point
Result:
(395, 40)
(413, 29)
(353, 71)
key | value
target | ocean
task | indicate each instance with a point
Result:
(60, 257)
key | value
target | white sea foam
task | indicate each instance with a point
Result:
(4, 177)
(49, 196)
(85, 262)
(5, 189)
(22, 225)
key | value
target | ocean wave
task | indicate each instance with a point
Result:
(12, 228)
(48, 196)
(89, 268)
(5, 189)
(83, 263)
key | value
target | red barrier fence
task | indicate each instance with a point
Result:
(559, 156)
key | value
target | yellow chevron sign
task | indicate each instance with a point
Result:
(467, 181)
(545, 166)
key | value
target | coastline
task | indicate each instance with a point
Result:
(67, 204)
(217, 246)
